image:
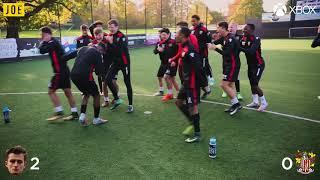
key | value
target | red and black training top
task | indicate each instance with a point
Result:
(251, 46)
(230, 51)
(119, 49)
(88, 60)
(170, 50)
(84, 41)
(189, 66)
(57, 55)
(203, 37)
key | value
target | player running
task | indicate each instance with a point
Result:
(231, 64)
(316, 41)
(118, 47)
(89, 59)
(84, 39)
(188, 97)
(61, 77)
(204, 37)
(166, 48)
(251, 46)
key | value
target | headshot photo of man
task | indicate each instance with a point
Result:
(16, 160)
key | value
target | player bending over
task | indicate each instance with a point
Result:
(166, 48)
(61, 77)
(231, 64)
(118, 46)
(251, 46)
(89, 59)
(188, 97)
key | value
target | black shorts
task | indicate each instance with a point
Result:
(191, 96)
(162, 70)
(171, 71)
(60, 81)
(255, 73)
(85, 86)
(231, 74)
(114, 70)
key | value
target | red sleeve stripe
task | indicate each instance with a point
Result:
(55, 61)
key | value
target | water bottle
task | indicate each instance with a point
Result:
(213, 147)
(6, 112)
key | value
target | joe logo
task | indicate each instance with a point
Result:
(305, 162)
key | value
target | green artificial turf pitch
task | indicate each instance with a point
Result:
(250, 145)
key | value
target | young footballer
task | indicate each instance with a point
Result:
(84, 39)
(204, 37)
(231, 64)
(251, 46)
(118, 46)
(167, 48)
(188, 97)
(61, 77)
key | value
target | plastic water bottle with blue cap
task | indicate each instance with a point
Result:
(6, 112)
(213, 147)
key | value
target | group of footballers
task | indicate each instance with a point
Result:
(188, 54)
(103, 53)
(107, 53)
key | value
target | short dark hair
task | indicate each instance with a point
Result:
(185, 31)
(224, 25)
(252, 26)
(164, 30)
(16, 150)
(113, 21)
(84, 27)
(197, 17)
(98, 22)
(182, 24)
(46, 29)
(97, 30)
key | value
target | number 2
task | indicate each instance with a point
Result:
(34, 167)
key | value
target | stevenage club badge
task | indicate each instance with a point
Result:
(305, 162)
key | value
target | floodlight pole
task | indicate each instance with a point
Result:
(293, 3)
(145, 17)
(109, 9)
(91, 11)
(59, 22)
(207, 16)
(175, 14)
(125, 15)
(161, 13)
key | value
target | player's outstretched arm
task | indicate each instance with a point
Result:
(70, 55)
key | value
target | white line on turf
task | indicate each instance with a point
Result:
(205, 101)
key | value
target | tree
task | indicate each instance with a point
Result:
(200, 8)
(247, 9)
(42, 9)
(216, 17)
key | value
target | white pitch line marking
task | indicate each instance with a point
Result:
(205, 101)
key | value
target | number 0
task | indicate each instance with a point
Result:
(34, 167)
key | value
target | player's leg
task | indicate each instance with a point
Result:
(183, 107)
(253, 85)
(160, 75)
(105, 95)
(74, 111)
(174, 83)
(109, 80)
(262, 98)
(169, 95)
(93, 90)
(237, 83)
(204, 83)
(53, 86)
(127, 80)
(229, 88)
(209, 72)
(192, 101)
(83, 119)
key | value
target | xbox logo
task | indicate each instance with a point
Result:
(279, 9)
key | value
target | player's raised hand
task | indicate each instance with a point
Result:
(109, 39)
(160, 49)
(173, 64)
